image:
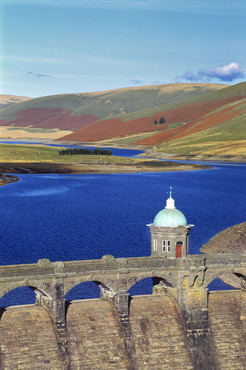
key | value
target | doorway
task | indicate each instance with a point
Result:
(179, 249)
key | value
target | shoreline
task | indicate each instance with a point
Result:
(228, 159)
(148, 152)
(8, 179)
(104, 168)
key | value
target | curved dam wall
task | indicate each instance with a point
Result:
(28, 337)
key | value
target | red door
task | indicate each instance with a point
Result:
(178, 251)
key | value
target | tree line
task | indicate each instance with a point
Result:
(85, 151)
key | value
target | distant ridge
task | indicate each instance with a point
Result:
(7, 100)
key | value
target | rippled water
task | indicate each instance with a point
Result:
(72, 217)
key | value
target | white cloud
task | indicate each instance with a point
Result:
(227, 73)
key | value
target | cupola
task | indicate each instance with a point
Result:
(170, 216)
(169, 232)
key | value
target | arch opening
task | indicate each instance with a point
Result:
(227, 280)
(19, 296)
(84, 290)
(150, 285)
(219, 284)
(142, 287)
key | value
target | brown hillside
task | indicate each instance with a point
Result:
(194, 126)
(50, 118)
(112, 128)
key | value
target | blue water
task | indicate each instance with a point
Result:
(73, 217)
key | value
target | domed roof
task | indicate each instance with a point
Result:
(170, 216)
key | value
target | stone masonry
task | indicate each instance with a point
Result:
(183, 280)
(94, 339)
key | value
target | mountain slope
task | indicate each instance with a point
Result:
(226, 112)
(73, 111)
(198, 118)
(182, 118)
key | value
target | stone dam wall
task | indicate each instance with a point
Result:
(28, 338)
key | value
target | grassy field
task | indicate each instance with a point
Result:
(42, 159)
(40, 154)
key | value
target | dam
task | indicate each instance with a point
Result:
(181, 325)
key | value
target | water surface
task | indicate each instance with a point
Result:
(73, 217)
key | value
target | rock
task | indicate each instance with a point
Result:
(7, 179)
(228, 241)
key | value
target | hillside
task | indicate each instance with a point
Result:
(74, 111)
(180, 117)
(212, 124)
(199, 119)
(7, 100)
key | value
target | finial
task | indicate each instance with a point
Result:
(170, 192)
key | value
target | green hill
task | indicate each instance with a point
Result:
(114, 102)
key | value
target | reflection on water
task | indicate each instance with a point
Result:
(43, 192)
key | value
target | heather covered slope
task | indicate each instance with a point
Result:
(200, 119)
(179, 123)
(208, 114)
(225, 113)
(74, 111)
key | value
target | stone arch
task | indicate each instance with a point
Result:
(169, 278)
(43, 288)
(211, 275)
(99, 280)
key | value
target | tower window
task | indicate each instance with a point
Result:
(166, 245)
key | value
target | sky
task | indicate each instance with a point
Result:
(52, 47)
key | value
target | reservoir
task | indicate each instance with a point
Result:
(73, 217)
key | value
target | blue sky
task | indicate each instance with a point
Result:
(67, 46)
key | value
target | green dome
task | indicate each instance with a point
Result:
(170, 218)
